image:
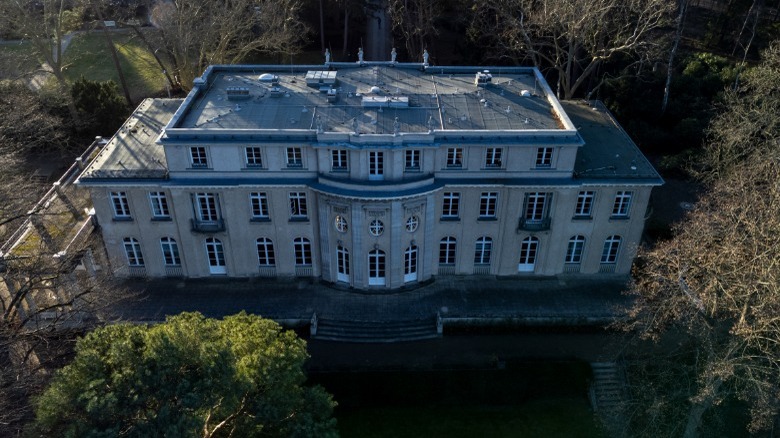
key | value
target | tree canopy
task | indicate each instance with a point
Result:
(718, 280)
(189, 376)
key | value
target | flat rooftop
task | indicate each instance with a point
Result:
(372, 98)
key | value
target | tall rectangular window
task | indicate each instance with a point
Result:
(302, 251)
(170, 250)
(198, 157)
(493, 158)
(265, 252)
(574, 250)
(339, 160)
(536, 206)
(376, 165)
(120, 205)
(259, 205)
(298, 205)
(487, 205)
(294, 157)
(455, 157)
(254, 157)
(482, 251)
(206, 207)
(412, 161)
(133, 252)
(584, 205)
(447, 248)
(622, 204)
(159, 205)
(544, 157)
(450, 205)
(609, 254)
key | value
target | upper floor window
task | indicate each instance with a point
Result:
(170, 251)
(120, 205)
(487, 204)
(376, 165)
(412, 161)
(294, 157)
(455, 157)
(376, 228)
(611, 248)
(544, 157)
(340, 222)
(584, 204)
(254, 157)
(133, 252)
(206, 207)
(536, 205)
(493, 158)
(574, 250)
(298, 205)
(302, 251)
(450, 205)
(259, 205)
(159, 205)
(622, 204)
(447, 248)
(339, 160)
(198, 157)
(265, 252)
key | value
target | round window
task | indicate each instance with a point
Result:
(341, 224)
(376, 227)
(412, 223)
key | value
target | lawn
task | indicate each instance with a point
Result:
(16, 59)
(88, 56)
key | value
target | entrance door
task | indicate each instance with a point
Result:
(342, 264)
(376, 268)
(216, 256)
(410, 264)
(528, 249)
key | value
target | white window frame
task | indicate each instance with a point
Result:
(488, 205)
(253, 156)
(493, 158)
(120, 205)
(411, 259)
(544, 157)
(294, 157)
(448, 250)
(376, 165)
(207, 206)
(412, 159)
(536, 206)
(622, 206)
(298, 206)
(170, 251)
(159, 204)
(611, 251)
(341, 224)
(342, 264)
(258, 205)
(376, 228)
(584, 206)
(575, 249)
(199, 157)
(265, 252)
(455, 158)
(377, 267)
(483, 250)
(339, 160)
(450, 206)
(302, 248)
(135, 258)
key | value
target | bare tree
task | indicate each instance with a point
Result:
(196, 34)
(717, 280)
(573, 37)
(415, 21)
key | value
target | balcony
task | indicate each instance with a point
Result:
(533, 225)
(174, 271)
(199, 226)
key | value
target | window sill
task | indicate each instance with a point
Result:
(582, 218)
(162, 219)
(199, 168)
(260, 219)
(493, 168)
(123, 219)
(294, 167)
(449, 219)
(487, 218)
(251, 168)
(299, 219)
(339, 171)
(619, 218)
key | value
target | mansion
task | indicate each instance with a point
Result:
(374, 175)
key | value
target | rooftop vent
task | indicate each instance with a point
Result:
(385, 101)
(376, 90)
(483, 78)
(317, 78)
(525, 93)
(237, 93)
(269, 78)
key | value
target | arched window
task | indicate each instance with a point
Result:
(447, 250)
(133, 252)
(574, 250)
(215, 253)
(611, 249)
(170, 251)
(265, 252)
(482, 251)
(342, 264)
(302, 251)
(410, 264)
(376, 267)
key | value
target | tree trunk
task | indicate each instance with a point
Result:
(346, 30)
(114, 56)
(673, 53)
(697, 410)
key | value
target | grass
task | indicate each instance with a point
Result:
(17, 59)
(88, 56)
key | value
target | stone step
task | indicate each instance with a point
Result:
(376, 332)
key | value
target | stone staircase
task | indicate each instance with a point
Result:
(609, 396)
(374, 331)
